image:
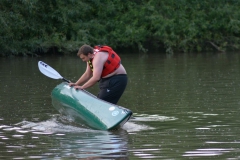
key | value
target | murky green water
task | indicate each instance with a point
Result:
(185, 107)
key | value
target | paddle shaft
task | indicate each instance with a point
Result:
(66, 80)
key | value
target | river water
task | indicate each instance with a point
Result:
(185, 106)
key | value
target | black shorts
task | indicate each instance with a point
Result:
(112, 88)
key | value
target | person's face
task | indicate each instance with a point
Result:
(84, 57)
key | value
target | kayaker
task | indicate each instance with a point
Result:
(103, 66)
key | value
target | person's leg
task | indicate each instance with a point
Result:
(112, 89)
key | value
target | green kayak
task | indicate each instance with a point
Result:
(87, 109)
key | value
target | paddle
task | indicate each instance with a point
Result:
(50, 72)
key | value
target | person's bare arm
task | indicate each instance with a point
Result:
(98, 63)
(84, 78)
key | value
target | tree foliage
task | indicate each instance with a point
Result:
(30, 26)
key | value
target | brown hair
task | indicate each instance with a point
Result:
(85, 49)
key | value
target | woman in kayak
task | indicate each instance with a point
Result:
(103, 66)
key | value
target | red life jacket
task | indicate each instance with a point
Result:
(112, 63)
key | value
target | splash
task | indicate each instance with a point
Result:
(50, 126)
(154, 117)
(62, 124)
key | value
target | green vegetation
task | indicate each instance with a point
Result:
(37, 26)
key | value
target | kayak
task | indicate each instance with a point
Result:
(85, 108)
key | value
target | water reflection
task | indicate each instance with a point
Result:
(207, 152)
(57, 140)
(186, 107)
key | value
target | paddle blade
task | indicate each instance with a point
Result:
(48, 71)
